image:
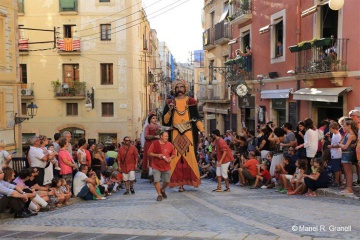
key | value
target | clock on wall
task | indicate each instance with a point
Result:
(241, 90)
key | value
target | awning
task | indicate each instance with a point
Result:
(279, 93)
(264, 29)
(313, 9)
(216, 110)
(320, 94)
(225, 13)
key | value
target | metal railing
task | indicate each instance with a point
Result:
(222, 31)
(324, 55)
(240, 8)
(208, 38)
(71, 89)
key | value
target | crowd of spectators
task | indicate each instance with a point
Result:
(57, 171)
(292, 160)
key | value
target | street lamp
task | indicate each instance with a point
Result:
(336, 4)
(31, 112)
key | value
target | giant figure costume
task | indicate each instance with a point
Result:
(182, 115)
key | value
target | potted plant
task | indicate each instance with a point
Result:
(295, 48)
(229, 62)
(55, 86)
(322, 42)
(305, 45)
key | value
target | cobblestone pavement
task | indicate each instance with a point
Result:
(195, 214)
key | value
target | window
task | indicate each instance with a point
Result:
(105, 31)
(70, 73)
(68, 5)
(69, 31)
(23, 109)
(106, 73)
(104, 0)
(23, 73)
(2, 109)
(2, 42)
(107, 109)
(71, 109)
(21, 6)
(277, 40)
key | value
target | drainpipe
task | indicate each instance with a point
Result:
(298, 38)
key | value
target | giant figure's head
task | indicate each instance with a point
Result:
(180, 87)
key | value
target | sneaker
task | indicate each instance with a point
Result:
(279, 190)
(284, 191)
(101, 198)
(217, 190)
(46, 208)
(264, 187)
(356, 183)
(126, 192)
(132, 191)
(57, 168)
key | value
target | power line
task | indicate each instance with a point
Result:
(115, 14)
(134, 24)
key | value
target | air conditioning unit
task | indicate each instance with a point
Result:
(26, 92)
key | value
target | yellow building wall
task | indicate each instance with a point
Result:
(9, 87)
(124, 50)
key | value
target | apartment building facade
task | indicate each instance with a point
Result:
(303, 60)
(92, 80)
(9, 85)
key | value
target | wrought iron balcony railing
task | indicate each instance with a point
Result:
(240, 11)
(222, 32)
(208, 39)
(73, 90)
(320, 56)
(68, 45)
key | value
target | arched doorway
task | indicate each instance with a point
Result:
(76, 134)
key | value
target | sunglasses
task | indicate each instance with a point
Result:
(127, 140)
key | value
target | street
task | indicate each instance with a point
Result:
(195, 214)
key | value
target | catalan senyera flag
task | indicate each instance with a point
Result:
(68, 44)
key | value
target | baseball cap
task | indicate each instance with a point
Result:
(354, 112)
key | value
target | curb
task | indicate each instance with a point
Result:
(335, 193)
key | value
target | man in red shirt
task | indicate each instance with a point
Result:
(162, 152)
(249, 170)
(224, 157)
(127, 161)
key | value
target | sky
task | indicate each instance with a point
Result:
(179, 27)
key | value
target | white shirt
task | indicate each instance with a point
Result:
(311, 140)
(79, 182)
(4, 155)
(35, 155)
(335, 152)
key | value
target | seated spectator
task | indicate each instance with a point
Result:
(234, 169)
(13, 196)
(263, 176)
(37, 203)
(65, 189)
(63, 199)
(249, 170)
(5, 157)
(84, 186)
(297, 182)
(316, 180)
(287, 170)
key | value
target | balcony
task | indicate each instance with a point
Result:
(70, 90)
(222, 33)
(23, 46)
(26, 92)
(240, 12)
(68, 46)
(323, 58)
(208, 39)
(68, 7)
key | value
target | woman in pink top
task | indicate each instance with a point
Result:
(66, 161)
